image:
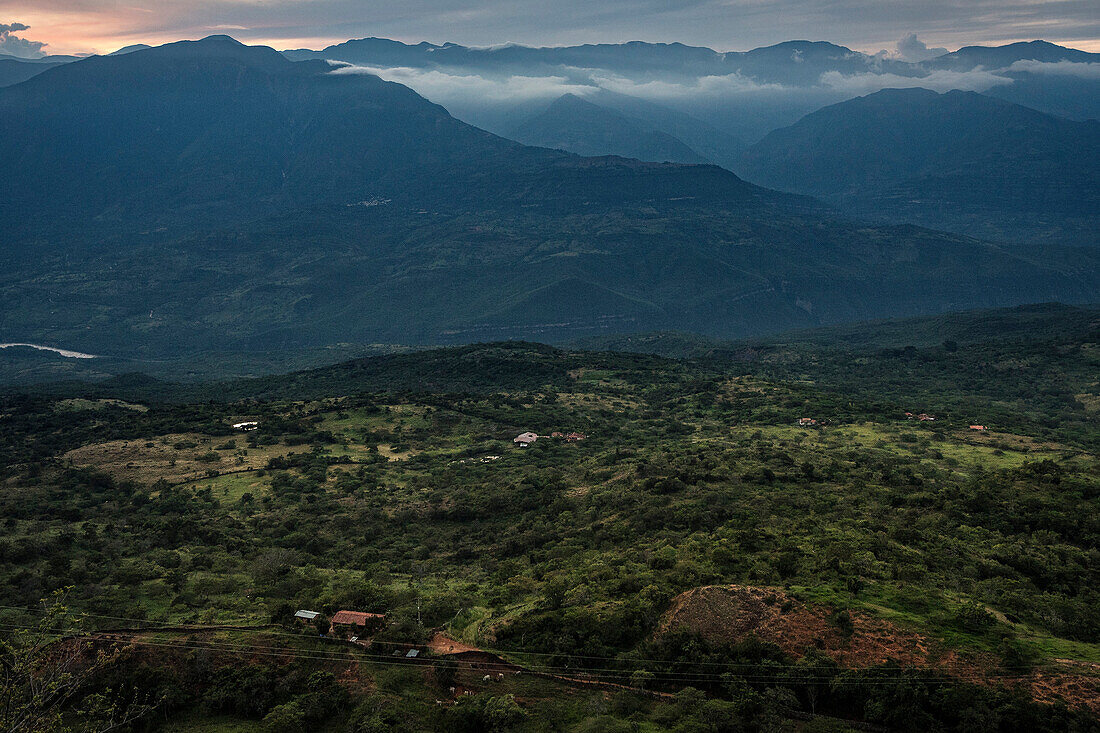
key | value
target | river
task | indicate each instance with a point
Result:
(62, 352)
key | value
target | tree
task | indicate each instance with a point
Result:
(502, 713)
(48, 676)
(286, 718)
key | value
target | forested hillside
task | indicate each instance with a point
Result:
(756, 535)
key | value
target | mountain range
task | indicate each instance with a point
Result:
(209, 196)
(194, 130)
(745, 94)
(794, 63)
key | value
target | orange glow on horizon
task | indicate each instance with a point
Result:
(108, 29)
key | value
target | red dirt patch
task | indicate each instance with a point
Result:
(727, 614)
(442, 644)
(724, 614)
(1075, 689)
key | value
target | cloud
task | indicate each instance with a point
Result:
(461, 88)
(725, 85)
(445, 87)
(13, 45)
(910, 48)
(1058, 68)
(978, 80)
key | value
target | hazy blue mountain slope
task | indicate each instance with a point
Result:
(709, 141)
(13, 70)
(961, 161)
(579, 126)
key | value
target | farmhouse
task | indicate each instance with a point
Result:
(525, 439)
(806, 422)
(977, 427)
(306, 617)
(355, 622)
(575, 437)
(249, 425)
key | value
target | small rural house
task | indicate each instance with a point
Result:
(977, 427)
(249, 425)
(305, 617)
(806, 422)
(575, 437)
(356, 622)
(525, 439)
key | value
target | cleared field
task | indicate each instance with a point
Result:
(175, 458)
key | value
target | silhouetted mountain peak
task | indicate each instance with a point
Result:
(130, 49)
(571, 100)
(998, 57)
(894, 95)
(221, 48)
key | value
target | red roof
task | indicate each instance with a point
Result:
(356, 618)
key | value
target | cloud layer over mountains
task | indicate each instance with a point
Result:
(777, 84)
(448, 86)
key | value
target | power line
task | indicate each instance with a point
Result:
(799, 675)
(595, 676)
(497, 652)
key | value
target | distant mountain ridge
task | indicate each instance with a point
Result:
(741, 94)
(738, 95)
(960, 161)
(792, 62)
(998, 57)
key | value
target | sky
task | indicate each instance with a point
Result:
(36, 27)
